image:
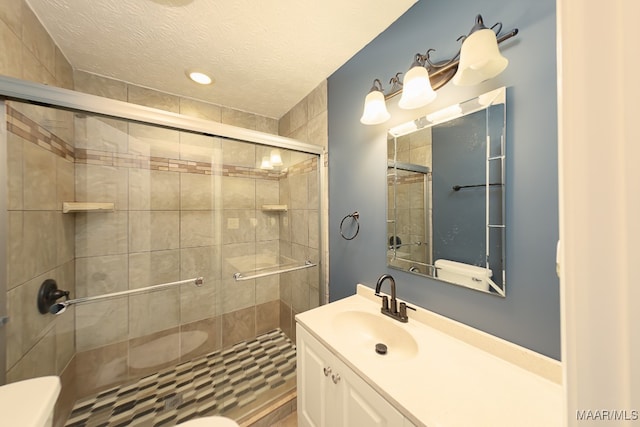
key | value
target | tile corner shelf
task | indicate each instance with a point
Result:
(71, 207)
(275, 208)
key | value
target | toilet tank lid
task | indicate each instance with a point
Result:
(29, 403)
(462, 268)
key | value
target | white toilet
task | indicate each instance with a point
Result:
(30, 403)
(463, 274)
(209, 422)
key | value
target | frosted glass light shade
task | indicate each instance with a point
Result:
(480, 59)
(266, 163)
(275, 158)
(416, 89)
(375, 109)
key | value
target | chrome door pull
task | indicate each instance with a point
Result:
(3, 320)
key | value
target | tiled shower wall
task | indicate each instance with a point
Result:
(185, 206)
(40, 241)
(307, 121)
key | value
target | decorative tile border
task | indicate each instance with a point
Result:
(24, 127)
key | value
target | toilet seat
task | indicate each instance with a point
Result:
(209, 422)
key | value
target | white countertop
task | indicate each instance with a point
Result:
(449, 382)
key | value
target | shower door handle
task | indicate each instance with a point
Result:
(3, 320)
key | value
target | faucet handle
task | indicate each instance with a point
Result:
(403, 310)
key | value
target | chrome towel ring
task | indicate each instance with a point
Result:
(355, 216)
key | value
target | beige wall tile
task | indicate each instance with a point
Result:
(200, 228)
(267, 125)
(198, 303)
(101, 368)
(299, 227)
(196, 191)
(200, 148)
(155, 190)
(39, 178)
(63, 71)
(101, 233)
(18, 263)
(237, 295)
(37, 362)
(101, 275)
(14, 327)
(202, 261)
(91, 319)
(267, 192)
(99, 86)
(267, 316)
(97, 183)
(153, 352)
(154, 311)
(202, 110)
(15, 181)
(153, 268)
(298, 116)
(236, 153)
(10, 50)
(65, 181)
(314, 191)
(65, 237)
(65, 323)
(40, 241)
(200, 338)
(299, 191)
(300, 296)
(37, 40)
(314, 229)
(153, 98)
(239, 226)
(238, 193)
(317, 101)
(154, 231)
(67, 397)
(153, 141)
(237, 326)
(318, 130)
(284, 124)
(99, 133)
(286, 320)
(238, 118)
(267, 289)
(238, 257)
(11, 15)
(268, 226)
(33, 70)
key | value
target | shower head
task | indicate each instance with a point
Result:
(58, 308)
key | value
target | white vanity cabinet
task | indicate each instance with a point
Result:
(330, 394)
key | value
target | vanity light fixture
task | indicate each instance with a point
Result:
(478, 59)
(375, 109)
(417, 91)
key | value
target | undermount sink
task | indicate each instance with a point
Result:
(361, 331)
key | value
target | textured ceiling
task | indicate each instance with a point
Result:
(264, 55)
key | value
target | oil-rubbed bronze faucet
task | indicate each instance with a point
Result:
(391, 310)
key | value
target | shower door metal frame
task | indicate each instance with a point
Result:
(48, 96)
(3, 239)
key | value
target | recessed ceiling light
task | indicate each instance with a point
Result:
(199, 77)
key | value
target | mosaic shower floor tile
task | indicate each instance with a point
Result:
(220, 383)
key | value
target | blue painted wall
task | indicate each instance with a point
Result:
(530, 314)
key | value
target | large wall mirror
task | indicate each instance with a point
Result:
(446, 194)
